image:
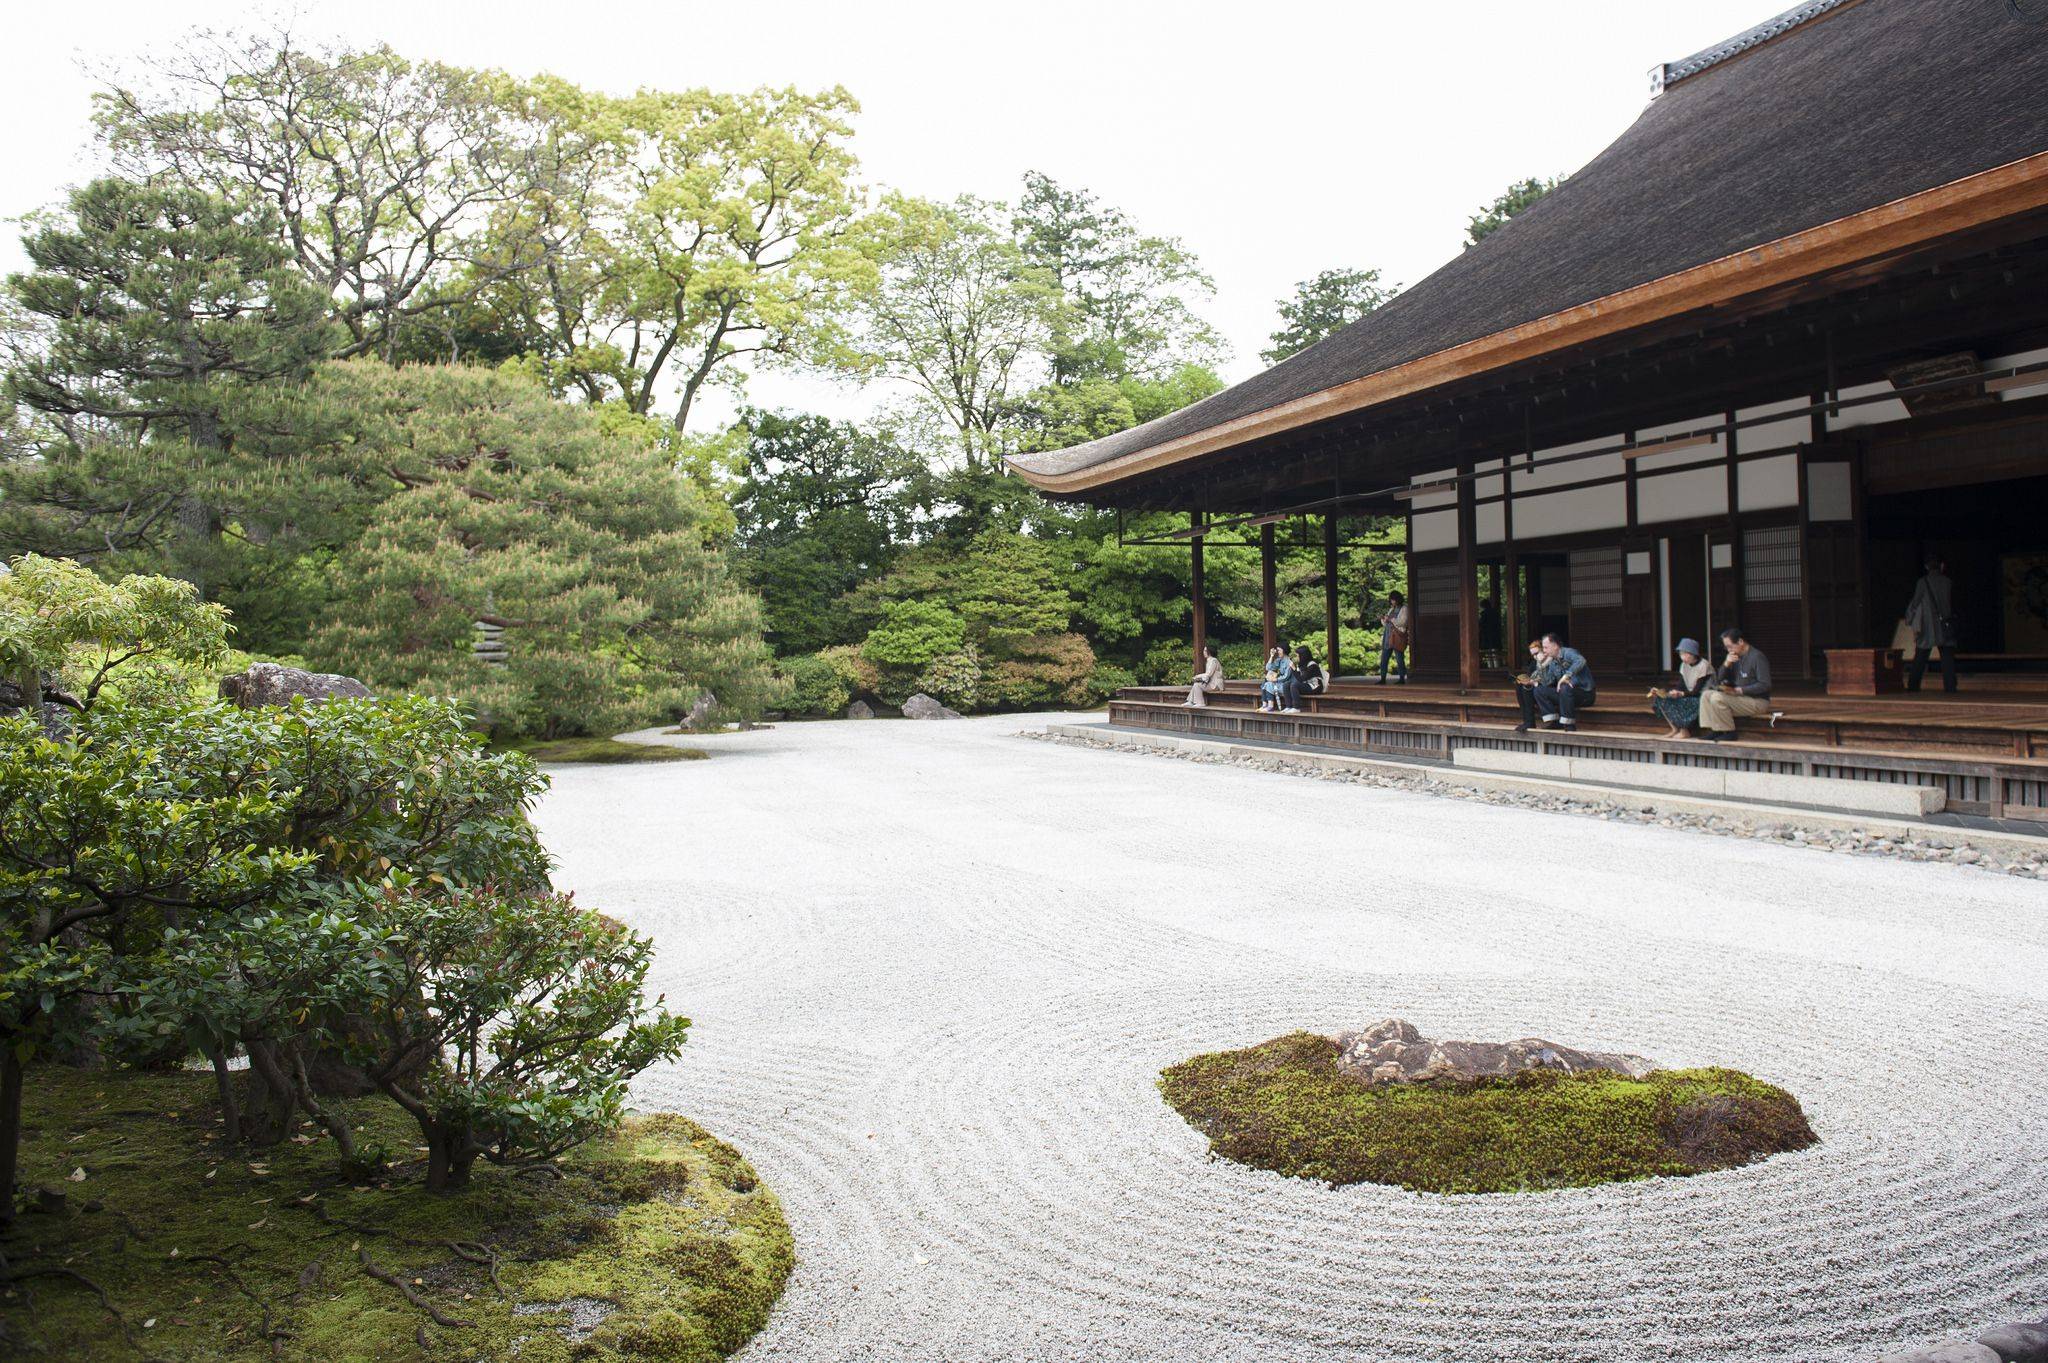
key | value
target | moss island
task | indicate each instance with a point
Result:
(1284, 1105)
(151, 1237)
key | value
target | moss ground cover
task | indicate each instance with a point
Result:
(605, 750)
(1283, 1105)
(658, 1243)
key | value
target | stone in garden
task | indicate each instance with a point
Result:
(860, 709)
(700, 711)
(272, 684)
(1394, 1052)
(921, 706)
(2017, 1342)
(1959, 1352)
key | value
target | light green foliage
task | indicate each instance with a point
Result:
(912, 633)
(1322, 306)
(958, 678)
(56, 617)
(666, 1226)
(1515, 198)
(583, 543)
(1107, 679)
(1284, 1105)
(707, 228)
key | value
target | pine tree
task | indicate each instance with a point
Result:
(564, 530)
(166, 318)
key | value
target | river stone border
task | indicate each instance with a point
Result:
(2006, 854)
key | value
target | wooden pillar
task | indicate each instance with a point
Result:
(1468, 581)
(1268, 606)
(1511, 636)
(1330, 596)
(1198, 598)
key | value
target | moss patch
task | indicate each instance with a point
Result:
(657, 1244)
(1283, 1105)
(606, 750)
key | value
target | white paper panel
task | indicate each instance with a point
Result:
(1682, 496)
(1566, 513)
(1765, 483)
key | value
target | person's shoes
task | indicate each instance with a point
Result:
(1291, 710)
(1548, 719)
(1567, 724)
(1521, 728)
(1714, 736)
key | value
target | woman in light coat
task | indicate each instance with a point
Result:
(1209, 679)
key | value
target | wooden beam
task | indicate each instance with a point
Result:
(1330, 595)
(2005, 191)
(1468, 582)
(1268, 605)
(1198, 598)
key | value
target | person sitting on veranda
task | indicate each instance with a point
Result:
(1744, 689)
(1568, 687)
(1678, 705)
(1308, 679)
(1526, 683)
(1209, 679)
(1279, 676)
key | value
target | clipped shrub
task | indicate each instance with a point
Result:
(1167, 662)
(816, 686)
(860, 676)
(954, 678)
(1107, 679)
(1043, 670)
(1243, 661)
(912, 633)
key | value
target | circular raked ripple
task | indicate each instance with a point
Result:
(936, 971)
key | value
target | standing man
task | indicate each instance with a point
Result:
(1745, 688)
(1931, 616)
(1567, 685)
(1394, 636)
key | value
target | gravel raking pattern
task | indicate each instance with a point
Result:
(935, 972)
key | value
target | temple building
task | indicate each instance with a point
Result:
(1783, 339)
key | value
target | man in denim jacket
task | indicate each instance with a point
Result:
(1566, 686)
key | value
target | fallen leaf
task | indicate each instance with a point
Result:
(77, 1175)
(149, 1324)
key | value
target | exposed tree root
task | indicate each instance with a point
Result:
(385, 1275)
(483, 1254)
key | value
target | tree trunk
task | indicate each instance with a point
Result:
(450, 1158)
(230, 1110)
(10, 1131)
(271, 1114)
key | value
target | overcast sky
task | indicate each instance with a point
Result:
(1275, 139)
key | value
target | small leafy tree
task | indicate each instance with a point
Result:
(104, 841)
(511, 1024)
(58, 618)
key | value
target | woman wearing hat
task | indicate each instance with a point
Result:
(1679, 706)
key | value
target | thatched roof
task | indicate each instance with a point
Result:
(1835, 111)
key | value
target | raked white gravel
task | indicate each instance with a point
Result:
(935, 969)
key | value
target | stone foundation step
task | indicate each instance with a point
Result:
(1818, 792)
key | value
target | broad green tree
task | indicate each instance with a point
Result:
(63, 620)
(823, 506)
(575, 537)
(385, 175)
(1512, 200)
(1322, 306)
(715, 227)
(1125, 297)
(961, 316)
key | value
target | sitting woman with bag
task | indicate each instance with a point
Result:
(1679, 705)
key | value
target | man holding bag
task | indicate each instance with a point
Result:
(1931, 617)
